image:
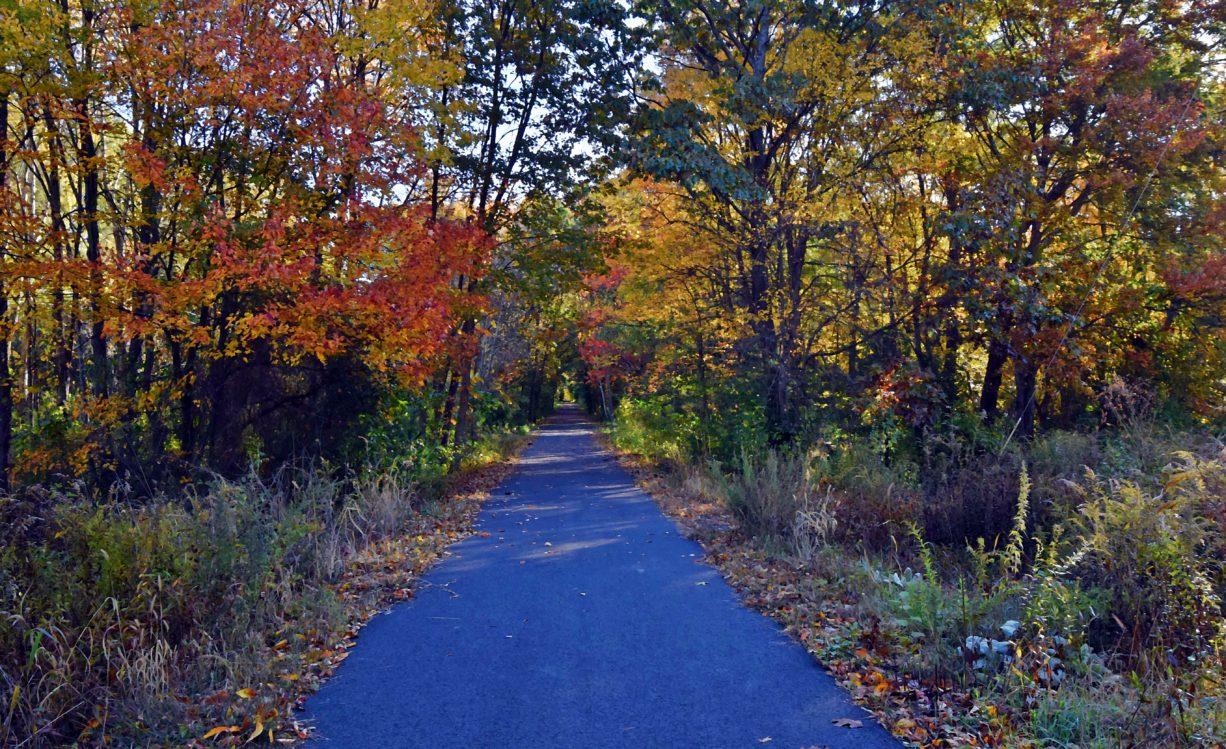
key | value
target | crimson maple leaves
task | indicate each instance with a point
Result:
(284, 203)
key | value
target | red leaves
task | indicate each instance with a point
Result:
(1206, 283)
(605, 361)
(280, 222)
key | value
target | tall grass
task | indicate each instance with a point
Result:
(146, 623)
(1076, 580)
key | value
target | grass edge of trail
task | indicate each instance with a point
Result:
(205, 618)
(826, 620)
(385, 575)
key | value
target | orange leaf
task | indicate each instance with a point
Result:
(218, 730)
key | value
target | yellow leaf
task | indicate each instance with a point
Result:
(246, 693)
(218, 730)
(259, 728)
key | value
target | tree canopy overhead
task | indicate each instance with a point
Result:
(885, 275)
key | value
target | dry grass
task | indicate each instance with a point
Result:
(152, 624)
(895, 638)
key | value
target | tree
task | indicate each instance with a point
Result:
(216, 202)
(1073, 108)
(771, 116)
(538, 114)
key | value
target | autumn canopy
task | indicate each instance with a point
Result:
(926, 250)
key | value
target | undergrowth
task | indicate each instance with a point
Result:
(160, 622)
(1064, 594)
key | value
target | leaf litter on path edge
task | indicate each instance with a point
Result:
(859, 657)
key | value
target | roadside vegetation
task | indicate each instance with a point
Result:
(931, 300)
(270, 303)
(928, 296)
(1065, 593)
(206, 616)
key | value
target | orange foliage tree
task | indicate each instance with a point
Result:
(238, 248)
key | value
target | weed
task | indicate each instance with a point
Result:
(767, 492)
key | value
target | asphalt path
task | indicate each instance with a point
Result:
(582, 620)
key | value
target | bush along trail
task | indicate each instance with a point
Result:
(205, 623)
(991, 648)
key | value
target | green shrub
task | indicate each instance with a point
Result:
(925, 609)
(651, 427)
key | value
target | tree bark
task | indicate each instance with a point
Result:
(949, 299)
(989, 397)
(1025, 377)
(464, 418)
(6, 376)
(93, 250)
(447, 414)
(62, 357)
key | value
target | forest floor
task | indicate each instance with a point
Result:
(578, 615)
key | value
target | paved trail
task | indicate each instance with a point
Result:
(582, 620)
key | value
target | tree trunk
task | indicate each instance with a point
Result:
(1025, 377)
(947, 304)
(989, 397)
(704, 397)
(534, 390)
(148, 235)
(93, 250)
(778, 411)
(463, 403)
(62, 357)
(6, 377)
(465, 365)
(447, 415)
